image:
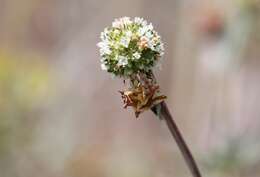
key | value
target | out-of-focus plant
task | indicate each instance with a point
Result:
(250, 4)
(24, 85)
(238, 156)
(100, 161)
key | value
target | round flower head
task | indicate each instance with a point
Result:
(129, 47)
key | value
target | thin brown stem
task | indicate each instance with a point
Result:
(166, 115)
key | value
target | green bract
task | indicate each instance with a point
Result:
(129, 47)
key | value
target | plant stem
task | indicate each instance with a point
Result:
(166, 115)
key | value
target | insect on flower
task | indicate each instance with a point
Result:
(131, 49)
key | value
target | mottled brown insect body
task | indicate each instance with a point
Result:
(142, 94)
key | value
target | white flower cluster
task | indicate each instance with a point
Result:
(130, 46)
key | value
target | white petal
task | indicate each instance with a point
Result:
(122, 61)
(100, 44)
(150, 26)
(136, 55)
(104, 67)
(125, 41)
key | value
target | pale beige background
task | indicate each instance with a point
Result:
(81, 130)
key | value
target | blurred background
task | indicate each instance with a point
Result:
(61, 116)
